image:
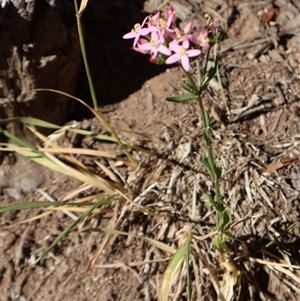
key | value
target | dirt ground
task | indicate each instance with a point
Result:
(258, 143)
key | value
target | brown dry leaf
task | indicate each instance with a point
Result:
(268, 16)
(276, 165)
(273, 166)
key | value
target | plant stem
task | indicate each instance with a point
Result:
(209, 149)
(206, 125)
(92, 89)
(85, 60)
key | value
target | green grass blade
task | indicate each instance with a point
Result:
(16, 139)
(30, 120)
(32, 205)
(173, 266)
(68, 229)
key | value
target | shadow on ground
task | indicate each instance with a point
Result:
(117, 70)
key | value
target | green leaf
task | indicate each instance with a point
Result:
(219, 241)
(206, 164)
(217, 37)
(186, 85)
(173, 267)
(219, 206)
(206, 118)
(30, 120)
(206, 134)
(68, 229)
(218, 168)
(209, 76)
(208, 199)
(182, 98)
(207, 137)
(223, 219)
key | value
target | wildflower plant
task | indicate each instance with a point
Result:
(159, 37)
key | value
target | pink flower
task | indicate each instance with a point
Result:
(187, 37)
(181, 54)
(188, 27)
(136, 32)
(172, 15)
(211, 25)
(140, 42)
(155, 45)
(154, 21)
(202, 38)
(160, 25)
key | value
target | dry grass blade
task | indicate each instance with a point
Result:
(110, 174)
(173, 267)
(83, 175)
(81, 209)
(82, 7)
(281, 267)
(73, 193)
(68, 150)
(100, 118)
(158, 244)
(275, 264)
(229, 281)
(34, 218)
(131, 264)
(32, 205)
(80, 172)
(50, 161)
(73, 225)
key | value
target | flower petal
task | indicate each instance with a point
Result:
(188, 27)
(172, 59)
(129, 35)
(146, 46)
(164, 50)
(193, 52)
(174, 46)
(185, 62)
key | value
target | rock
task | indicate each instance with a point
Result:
(39, 49)
(21, 177)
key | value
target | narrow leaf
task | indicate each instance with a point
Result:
(218, 168)
(31, 205)
(186, 85)
(173, 267)
(219, 241)
(68, 229)
(207, 137)
(182, 98)
(208, 77)
(206, 164)
(208, 199)
(206, 118)
(30, 120)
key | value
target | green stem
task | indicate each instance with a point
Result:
(206, 125)
(85, 60)
(209, 149)
(206, 61)
(92, 89)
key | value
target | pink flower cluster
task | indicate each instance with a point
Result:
(166, 43)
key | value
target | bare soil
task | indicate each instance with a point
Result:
(258, 143)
